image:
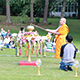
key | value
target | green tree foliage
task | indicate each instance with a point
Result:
(23, 6)
(2, 6)
(39, 8)
(1, 3)
(19, 6)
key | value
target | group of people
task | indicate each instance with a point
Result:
(6, 39)
(64, 48)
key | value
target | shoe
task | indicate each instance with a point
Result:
(69, 68)
(66, 68)
(1, 49)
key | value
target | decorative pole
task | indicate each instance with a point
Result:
(32, 46)
(76, 64)
(44, 52)
(17, 51)
(29, 57)
(40, 46)
(38, 70)
(43, 44)
(30, 29)
(18, 48)
(37, 47)
(38, 63)
(26, 47)
(76, 73)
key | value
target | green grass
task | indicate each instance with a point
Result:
(9, 63)
(11, 70)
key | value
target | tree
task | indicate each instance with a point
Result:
(31, 12)
(20, 6)
(63, 8)
(7, 12)
(64, 5)
(46, 11)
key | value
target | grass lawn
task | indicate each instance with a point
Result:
(11, 70)
(9, 63)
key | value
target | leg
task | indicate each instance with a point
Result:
(64, 66)
(69, 67)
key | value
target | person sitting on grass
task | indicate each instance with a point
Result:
(67, 54)
(8, 33)
(11, 44)
(1, 44)
(3, 33)
(6, 41)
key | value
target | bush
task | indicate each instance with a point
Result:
(0, 21)
(37, 20)
(23, 22)
(49, 23)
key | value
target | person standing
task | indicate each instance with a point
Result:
(60, 36)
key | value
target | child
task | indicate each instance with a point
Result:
(11, 43)
(68, 53)
(49, 46)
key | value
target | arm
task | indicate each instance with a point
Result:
(57, 33)
(50, 30)
(75, 52)
(53, 31)
(62, 51)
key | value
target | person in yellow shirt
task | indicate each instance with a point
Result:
(60, 36)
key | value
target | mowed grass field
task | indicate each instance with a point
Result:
(9, 63)
(11, 70)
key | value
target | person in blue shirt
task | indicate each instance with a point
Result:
(1, 44)
(8, 33)
(68, 54)
(3, 33)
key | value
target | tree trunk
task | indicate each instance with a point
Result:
(63, 8)
(46, 11)
(7, 12)
(31, 12)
